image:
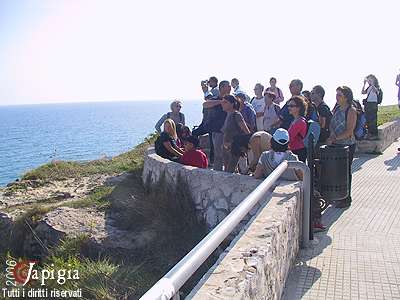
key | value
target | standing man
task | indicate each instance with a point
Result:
(371, 105)
(236, 88)
(295, 87)
(213, 84)
(258, 103)
(216, 121)
(324, 112)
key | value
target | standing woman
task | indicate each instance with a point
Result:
(371, 105)
(298, 128)
(398, 84)
(175, 114)
(277, 91)
(233, 127)
(342, 128)
(165, 144)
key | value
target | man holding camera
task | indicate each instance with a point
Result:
(213, 84)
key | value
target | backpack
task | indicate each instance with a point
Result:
(361, 124)
(380, 96)
(312, 128)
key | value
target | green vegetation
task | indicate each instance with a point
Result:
(99, 198)
(59, 170)
(388, 113)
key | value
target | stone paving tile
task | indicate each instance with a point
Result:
(359, 256)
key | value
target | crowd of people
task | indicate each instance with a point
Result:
(253, 135)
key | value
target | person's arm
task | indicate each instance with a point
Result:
(322, 121)
(211, 103)
(350, 125)
(299, 174)
(171, 149)
(259, 173)
(364, 90)
(160, 122)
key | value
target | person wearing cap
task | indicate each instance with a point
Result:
(193, 156)
(175, 114)
(270, 160)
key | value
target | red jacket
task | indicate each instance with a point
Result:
(195, 158)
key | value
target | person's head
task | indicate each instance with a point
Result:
(182, 131)
(224, 88)
(230, 103)
(372, 80)
(242, 99)
(317, 94)
(272, 82)
(280, 140)
(190, 143)
(344, 95)
(307, 95)
(176, 106)
(235, 82)
(258, 90)
(269, 97)
(240, 144)
(170, 128)
(213, 82)
(295, 87)
(297, 106)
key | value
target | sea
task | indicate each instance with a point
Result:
(32, 135)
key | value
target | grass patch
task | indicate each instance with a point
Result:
(388, 113)
(59, 170)
(99, 198)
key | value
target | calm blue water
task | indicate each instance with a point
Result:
(32, 135)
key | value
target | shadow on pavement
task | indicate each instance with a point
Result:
(300, 281)
(394, 163)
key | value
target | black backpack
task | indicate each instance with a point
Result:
(380, 96)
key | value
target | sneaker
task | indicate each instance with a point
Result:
(319, 227)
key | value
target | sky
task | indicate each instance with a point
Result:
(82, 50)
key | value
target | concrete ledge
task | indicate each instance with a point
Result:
(257, 263)
(215, 193)
(388, 133)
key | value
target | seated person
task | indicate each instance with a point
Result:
(166, 143)
(183, 132)
(175, 114)
(270, 160)
(257, 143)
(193, 156)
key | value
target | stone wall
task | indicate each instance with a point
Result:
(215, 193)
(258, 261)
(387, 133)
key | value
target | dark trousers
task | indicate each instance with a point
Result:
(301, 153)
(371, 114)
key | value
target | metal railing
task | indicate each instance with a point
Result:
(168, 286)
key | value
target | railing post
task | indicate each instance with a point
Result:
(306, 199)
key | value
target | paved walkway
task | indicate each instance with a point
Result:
(359, 256)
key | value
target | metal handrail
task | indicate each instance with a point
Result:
(168, 286)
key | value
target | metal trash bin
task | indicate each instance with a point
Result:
(334, 176)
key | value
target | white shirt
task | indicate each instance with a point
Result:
(258, 105)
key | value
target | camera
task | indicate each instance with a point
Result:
(204, 82)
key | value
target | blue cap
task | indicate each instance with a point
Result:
(281, 136)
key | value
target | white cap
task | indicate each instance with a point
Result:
(281, 136)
